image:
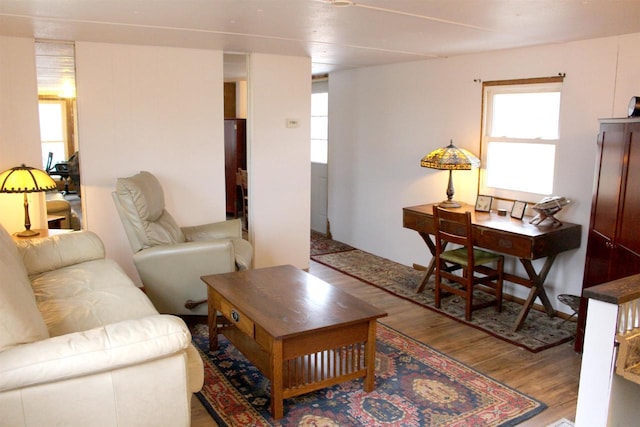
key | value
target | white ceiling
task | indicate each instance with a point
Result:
(362, 33)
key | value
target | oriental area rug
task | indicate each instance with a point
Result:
(539, 331)
(415, 386)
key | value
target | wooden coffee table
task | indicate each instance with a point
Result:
(301, 332)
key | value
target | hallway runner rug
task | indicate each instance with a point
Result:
(538, 333)
(415, 386)
(321, 245)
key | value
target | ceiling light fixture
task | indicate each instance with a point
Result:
(340, 3)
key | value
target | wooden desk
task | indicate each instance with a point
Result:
(510, 237)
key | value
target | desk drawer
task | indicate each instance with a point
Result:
(237, 318)
(418, 222)
(506, 243)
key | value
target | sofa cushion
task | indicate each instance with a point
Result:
(20, 320)
(142, 201)
(88, 295)
(40, 255)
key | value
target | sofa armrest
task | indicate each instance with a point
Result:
(110, 347)
(61, 250)
(217, 230)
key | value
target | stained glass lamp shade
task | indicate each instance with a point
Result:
(450, 158)
(25, 179)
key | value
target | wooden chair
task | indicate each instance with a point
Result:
(242, 183)
(455, 228)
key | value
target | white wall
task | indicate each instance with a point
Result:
(278, 159)
(139, 111)
(383, 120)
(157, 109)
(161, 109)
(19, 128)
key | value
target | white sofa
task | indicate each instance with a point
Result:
(81, 345)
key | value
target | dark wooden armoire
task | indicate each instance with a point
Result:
(235, 156)
(613, 248)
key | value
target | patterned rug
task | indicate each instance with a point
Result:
(321, 245)
(539, 331)
(415, 386)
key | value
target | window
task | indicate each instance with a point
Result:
(53, 131)
(319, 122)
(521, 129)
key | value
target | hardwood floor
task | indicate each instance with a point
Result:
(551, 376)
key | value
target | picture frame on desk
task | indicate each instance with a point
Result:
(483, 203)
(517, 211)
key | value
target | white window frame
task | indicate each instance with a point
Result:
(318, 154)
(59, 155)
(490, 89)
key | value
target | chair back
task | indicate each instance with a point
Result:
(49, 162)
(453, 227)
(139, 200)
(242, 180)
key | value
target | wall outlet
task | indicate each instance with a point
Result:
(292, 123)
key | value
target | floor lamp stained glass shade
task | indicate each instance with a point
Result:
(25, 179)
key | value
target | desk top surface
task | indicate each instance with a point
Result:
(503, 223)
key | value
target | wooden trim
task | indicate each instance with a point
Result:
(529, 81)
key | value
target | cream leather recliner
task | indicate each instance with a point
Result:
(171, 259)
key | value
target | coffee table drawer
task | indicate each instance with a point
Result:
(238, 318)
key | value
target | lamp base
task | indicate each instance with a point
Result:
(448, 204)
(27, 233)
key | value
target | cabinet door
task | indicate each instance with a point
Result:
(235, 149)
(230, 164)
(598, 262)
(627, 241)
(604, 210)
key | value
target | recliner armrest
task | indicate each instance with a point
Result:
(243, 252)
(110, 347)
(217, 230)
(182, 256)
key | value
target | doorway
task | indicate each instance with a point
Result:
(319, 155)
(235, 137)
(55, 70)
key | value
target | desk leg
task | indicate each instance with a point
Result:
(432, 263)
(537, 289)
